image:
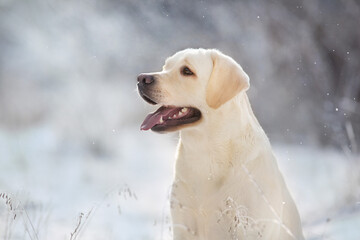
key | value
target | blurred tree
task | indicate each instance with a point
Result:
(303, 58)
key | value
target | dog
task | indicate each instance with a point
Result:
(227, 184)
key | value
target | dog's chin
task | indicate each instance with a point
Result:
(145, 96)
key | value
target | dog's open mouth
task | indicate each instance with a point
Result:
(167, 117)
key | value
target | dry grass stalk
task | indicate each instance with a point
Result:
(80, 225)
(14, 207)
(83, 220)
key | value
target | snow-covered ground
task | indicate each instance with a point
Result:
(125, 193)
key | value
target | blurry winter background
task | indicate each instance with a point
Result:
(73, 163)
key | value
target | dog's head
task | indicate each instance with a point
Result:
(191, 83)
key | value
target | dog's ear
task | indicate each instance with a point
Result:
(226, 81)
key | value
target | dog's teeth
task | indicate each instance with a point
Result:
(184, 109)
(170, 117)
(174, 116)
(181, 113)
(161, 120)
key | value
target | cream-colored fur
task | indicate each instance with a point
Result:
(227, 183)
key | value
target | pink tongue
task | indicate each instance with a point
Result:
(154, 118)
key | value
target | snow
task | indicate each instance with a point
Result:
(324, 184)
(76, 182)
(127, 192)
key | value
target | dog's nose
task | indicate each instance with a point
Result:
(145, 79)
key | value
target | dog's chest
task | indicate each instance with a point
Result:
(215, 212)
(207, 175)
(204, 168)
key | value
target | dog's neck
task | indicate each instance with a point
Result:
(211, 148)
(215, 127)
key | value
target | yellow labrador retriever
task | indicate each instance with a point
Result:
(227, 184)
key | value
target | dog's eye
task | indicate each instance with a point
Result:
(186, 71)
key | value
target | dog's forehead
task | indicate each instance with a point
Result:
(191, 56)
